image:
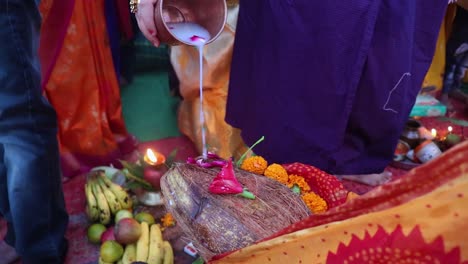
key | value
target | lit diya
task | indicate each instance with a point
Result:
(153, 158)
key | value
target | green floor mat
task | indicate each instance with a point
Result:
(149, 110)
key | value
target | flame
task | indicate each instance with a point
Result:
(151, 156)
(450, 129)
(434, 132)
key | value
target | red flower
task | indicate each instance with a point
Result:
(225, 182)
(325, 185)
(395, 247)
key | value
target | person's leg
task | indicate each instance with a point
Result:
(295, 69)
(400, 54)
(36, 210)
(458, 38)
(7, 252)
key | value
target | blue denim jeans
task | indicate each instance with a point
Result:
(31, 196)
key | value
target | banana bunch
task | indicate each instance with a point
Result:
(104, 198)
(150, 247)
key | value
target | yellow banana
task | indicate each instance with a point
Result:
(91, 205)
(112, 201)
(142, 245)
(168, 253)
(119, 192)
(91, 214)
(104, 210)
(156, 252)
(129, 255)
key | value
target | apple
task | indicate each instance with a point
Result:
(108, 235)
(153, 176)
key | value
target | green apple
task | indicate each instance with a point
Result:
(121, 214)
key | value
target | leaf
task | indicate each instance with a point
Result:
(132, 185)
(134, 168)
(198, 261)
(134, 178)
(171, 158)
(239, 162)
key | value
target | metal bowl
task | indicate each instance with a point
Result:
(151, 198)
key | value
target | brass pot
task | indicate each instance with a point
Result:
(210, 14)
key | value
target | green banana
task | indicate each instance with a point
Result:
(119, 192)
(104, 210)
(92, 209)
(112, 201)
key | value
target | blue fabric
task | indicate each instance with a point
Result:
(31, 197)
(330, 83)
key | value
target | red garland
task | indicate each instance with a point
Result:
(325, 185)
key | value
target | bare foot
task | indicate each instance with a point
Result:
(8, 254)
(375, 179)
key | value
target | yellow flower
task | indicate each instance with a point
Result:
(255, 164)
(299, 181)
(315, 203)
(277, 172)
(167, 220)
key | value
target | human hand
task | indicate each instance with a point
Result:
(145, 20)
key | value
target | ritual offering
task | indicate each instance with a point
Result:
(214, 211)
(418, 145)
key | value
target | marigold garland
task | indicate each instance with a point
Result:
(255, 164)
(315, 203)
(168, 220)
(277, 172)
(299, 181)
(259, 165)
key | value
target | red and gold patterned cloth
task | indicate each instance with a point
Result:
(420, 218)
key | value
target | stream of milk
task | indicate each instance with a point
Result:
(195, 35)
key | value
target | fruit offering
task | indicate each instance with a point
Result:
(104, 198)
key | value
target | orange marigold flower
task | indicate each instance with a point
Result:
(168, 220)
(255, 164)
(299, 181)
(277, 172)
(315, 203)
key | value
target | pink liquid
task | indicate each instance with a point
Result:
(194, 35)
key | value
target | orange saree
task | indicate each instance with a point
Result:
(79, 80)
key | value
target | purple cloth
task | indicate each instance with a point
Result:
(330, 83)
